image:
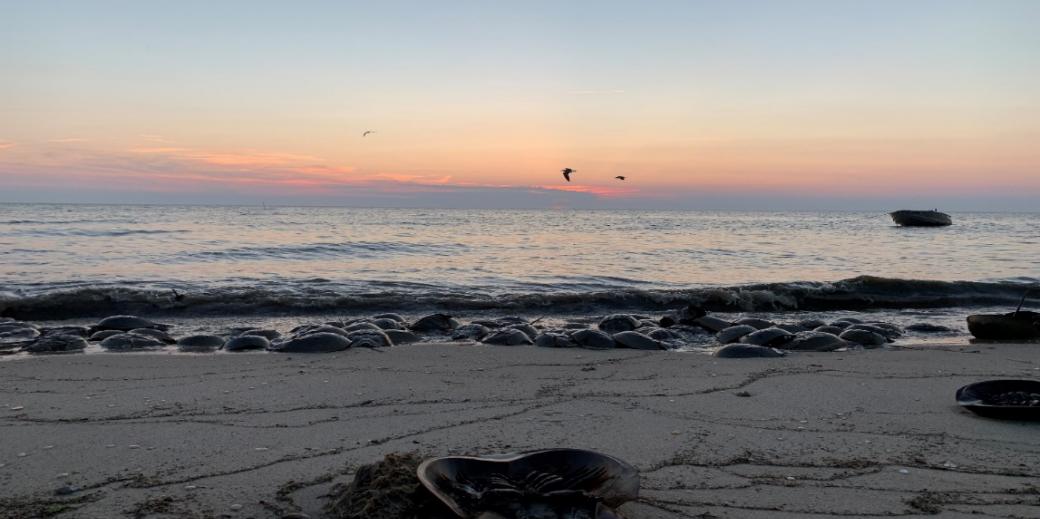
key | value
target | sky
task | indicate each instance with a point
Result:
(829, 104)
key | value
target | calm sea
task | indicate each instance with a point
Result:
(73, 261)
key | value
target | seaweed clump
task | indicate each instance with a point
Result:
(386, 489)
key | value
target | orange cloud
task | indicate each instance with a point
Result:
(154, 138)
(327, 171)
(5, 145)
(176, 168)
(159, 150)
(287, 169)
(422, 179)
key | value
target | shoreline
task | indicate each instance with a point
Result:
(673, 330)
(842, 433)
(581, 295)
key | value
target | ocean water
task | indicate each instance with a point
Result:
(79, 261)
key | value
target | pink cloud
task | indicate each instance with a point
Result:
(168, 168)
(255, 168)
(243, 158)
(605, 192)
(6, 145)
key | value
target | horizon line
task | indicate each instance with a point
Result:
(435, 208)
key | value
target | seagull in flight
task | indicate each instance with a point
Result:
(367, 132)
(620, 177)
(567, 173)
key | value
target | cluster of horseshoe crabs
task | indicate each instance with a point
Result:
(690, 326)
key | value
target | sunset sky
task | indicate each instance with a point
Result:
(744, 104)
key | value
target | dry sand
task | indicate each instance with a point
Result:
(868, 433)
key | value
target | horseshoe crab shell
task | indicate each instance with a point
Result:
(563, 483)
(1009, 399)
(1015, 326)
(768, 337)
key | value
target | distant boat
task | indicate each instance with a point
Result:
(908, 218)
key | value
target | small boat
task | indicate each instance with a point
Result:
(910, 218)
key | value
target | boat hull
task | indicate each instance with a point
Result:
(908, 218)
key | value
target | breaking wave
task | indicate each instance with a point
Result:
(323, 296)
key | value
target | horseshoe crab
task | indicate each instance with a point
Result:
(125, 323)
(1009, 399)
(1015, 326)
(768, 337)
(618, 323)
(435, 323)
(746, 351)
(734, 333)
(542, 484)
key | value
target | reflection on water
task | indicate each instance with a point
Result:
(47, 246)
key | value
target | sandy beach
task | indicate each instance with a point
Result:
(849, 434)
(278, 260)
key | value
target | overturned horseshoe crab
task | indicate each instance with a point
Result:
(1008, 399)
(543, 484)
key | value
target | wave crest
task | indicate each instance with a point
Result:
(860, 293)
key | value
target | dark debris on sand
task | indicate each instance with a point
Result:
(42, 507)
(387, 489)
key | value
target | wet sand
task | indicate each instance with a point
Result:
(848, 434)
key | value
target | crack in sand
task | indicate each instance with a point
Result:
(342, 450)
(748, 479)
(137, 417)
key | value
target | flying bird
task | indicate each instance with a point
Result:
(620, 177)
(567, 173)
(367, 132)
